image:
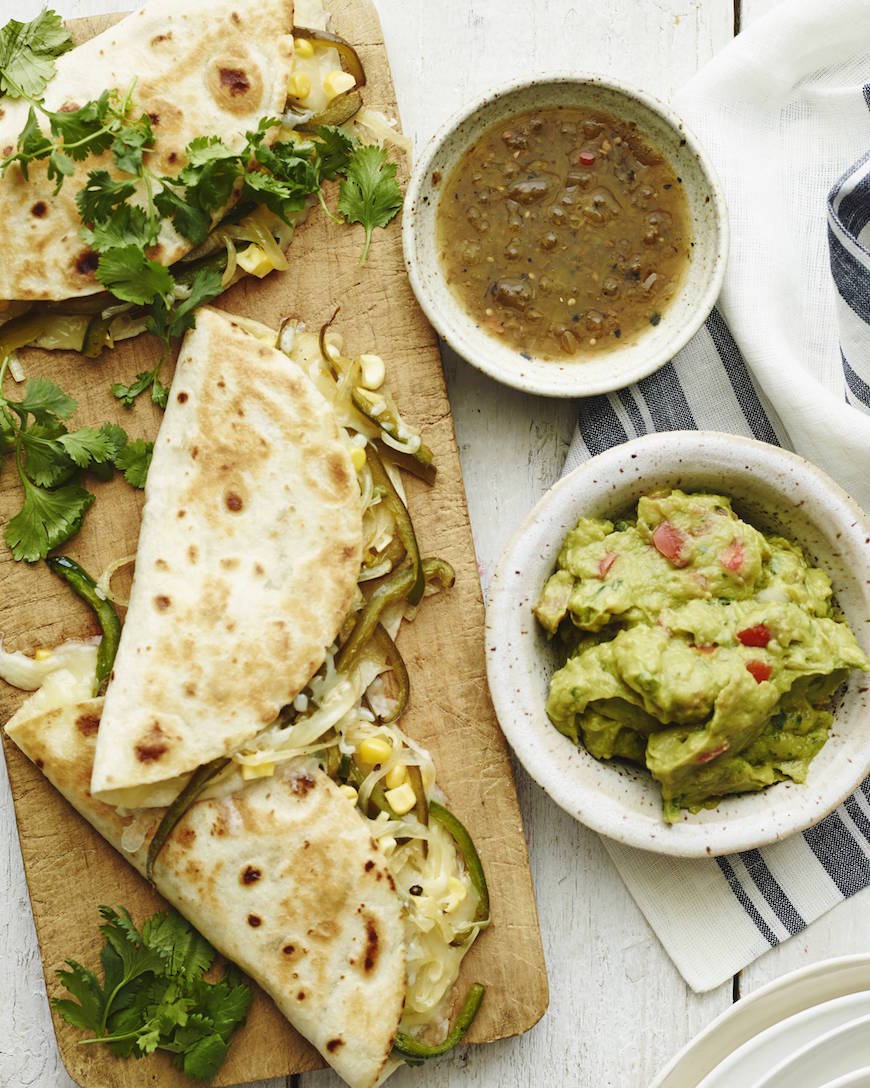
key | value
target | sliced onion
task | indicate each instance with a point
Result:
(104, 582)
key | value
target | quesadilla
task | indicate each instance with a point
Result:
(281, 877)
(203, 66)
(337, 735)
(171, 155)
(247, 564)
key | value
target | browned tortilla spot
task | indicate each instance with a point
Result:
(334, 1044)
(162, 602)
(152, 746)
(86, 262)
(372, 942)
(87, 724)
(251, 875)
(369, 865)
(234, 502)
(254, 920)
(182, 397)
(39, 209)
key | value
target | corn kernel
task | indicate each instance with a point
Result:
(337, 82)
(402, 799)
(373, 371)
(396, 776)
(358, 457)
(43, 654)
(302, 47)
(254, 260)
(349, 792)
(387, 844)
(299, 86)
(456, 892)
(257, 770)
(375, 750)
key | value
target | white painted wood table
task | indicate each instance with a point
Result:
(618, 1008)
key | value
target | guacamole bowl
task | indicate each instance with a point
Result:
(777, 492)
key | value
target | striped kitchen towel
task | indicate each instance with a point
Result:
(784, 111)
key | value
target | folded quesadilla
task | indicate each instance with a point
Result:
(247, 564)
(203, 66)
(279, 451)
(282, 878)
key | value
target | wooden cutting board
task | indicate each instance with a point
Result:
(70, 870)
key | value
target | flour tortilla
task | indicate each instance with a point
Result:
(248, 558)
(288, 852)
(203, 67)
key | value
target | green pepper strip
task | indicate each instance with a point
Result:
(198, 781)
(22, 330)
(466, 847)
(419, 464)
(415, 1052)
(421, 808)
(394, 552)
(96, 336)
(338, 112)
(381, 639)
(83, 585)
(355, 775)
(404, 525)
(395, 587)
(345, 50)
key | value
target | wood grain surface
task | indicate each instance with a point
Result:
(69, 869)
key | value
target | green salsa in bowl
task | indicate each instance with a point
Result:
(676, 640)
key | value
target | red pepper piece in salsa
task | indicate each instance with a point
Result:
(759, 635)
(668, 541)
(759, 670)
(731, 557)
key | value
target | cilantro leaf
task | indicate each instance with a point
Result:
(91, 445)
(127, 394)
(204, 1058)
(191, 221)
(134, 460)
(42, 396)
(334, 150)
(131, 276)
(153, 994)
(182, 950)
(101, 195)
(369, 193)
(32, 143)
(46, 519)
(28, 52)
(83, 131)
(127, 225)
(83, 985)
(131, 141)
(47, 463)
(206, 286)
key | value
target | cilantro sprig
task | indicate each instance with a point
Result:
(369, 193)
(50, 460)
(28, 52)
(153, 995)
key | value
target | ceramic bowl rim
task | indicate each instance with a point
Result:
(448, 324)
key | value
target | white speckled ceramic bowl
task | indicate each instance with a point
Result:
(775, 490)
(633, 358)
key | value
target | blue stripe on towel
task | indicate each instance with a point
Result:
(666, 401)
(850, 278)
(857, 386)
(744, 900)
(772, 891)
(839, 854)
(599, 425)
(741, 382)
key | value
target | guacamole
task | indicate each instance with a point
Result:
(695, 646)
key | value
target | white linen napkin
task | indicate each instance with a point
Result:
(784, 112)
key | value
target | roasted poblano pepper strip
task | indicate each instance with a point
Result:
(338, 112)
(404, 525)
(381, 639)
(198, 781)
(466, 847)
(394, 587)
(96, 336)
(379, 411)
(345, 50)
(415, 1052)
(83, 585)
(421, 807)
(419, 464)
(394, 553)
(22, 330)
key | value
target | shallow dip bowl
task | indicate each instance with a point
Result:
(631, 359)
(777, 492)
